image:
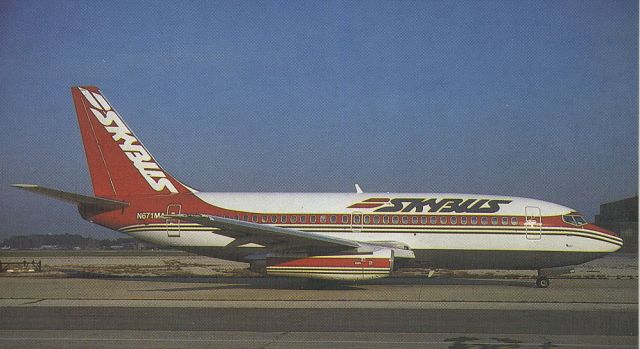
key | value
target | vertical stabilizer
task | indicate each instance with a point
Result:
(119, 164)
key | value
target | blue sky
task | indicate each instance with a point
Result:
(526, 98)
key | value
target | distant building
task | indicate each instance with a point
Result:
(49, 247)
(621, 217)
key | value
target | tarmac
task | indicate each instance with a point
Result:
(103, 310)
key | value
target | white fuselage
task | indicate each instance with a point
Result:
(522, 225)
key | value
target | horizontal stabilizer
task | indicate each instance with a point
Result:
(73, 198)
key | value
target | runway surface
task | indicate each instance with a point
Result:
(281, 313)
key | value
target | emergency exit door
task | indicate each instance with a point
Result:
(356, 222)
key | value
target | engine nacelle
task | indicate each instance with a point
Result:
(351, 267)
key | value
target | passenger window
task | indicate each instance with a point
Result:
(443, 220)
(366, 219)
(283, 219)
(385, 219)
(264, 219)
(376, 219)
(454, 220)
(423, 219)
(303, 219)
(255, 219)
(313, 219)
(433, 220)
(245, 218)
(414, 220)
(345, 219)
(274, 219)
(395, 219)
(505, 220)
(463, 220)
(405, 220)
(474, 220)
(323, 219)
(494, 220)
(514, 221)
(334, 219)
(295, 219)
(484, 220)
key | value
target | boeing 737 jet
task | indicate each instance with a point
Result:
(331, 236)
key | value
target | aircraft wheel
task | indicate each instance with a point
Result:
(542, 282)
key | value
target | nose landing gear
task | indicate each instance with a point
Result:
(543, 275)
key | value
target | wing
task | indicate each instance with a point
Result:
(274, 238)
(278, 239)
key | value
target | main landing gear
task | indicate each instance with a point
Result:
(542, 282)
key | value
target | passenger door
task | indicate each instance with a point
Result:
(533, 222)
(172, 224)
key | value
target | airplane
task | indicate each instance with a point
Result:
(327, 236)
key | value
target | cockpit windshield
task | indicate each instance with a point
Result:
(574, 219)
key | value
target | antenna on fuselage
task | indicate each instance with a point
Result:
(358, 189)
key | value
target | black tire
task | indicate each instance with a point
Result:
(542, 282)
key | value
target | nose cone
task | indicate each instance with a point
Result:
(601, 230)
(612, 235)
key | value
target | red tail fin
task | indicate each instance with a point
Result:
(119, 163)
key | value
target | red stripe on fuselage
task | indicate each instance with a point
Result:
(337, 262)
